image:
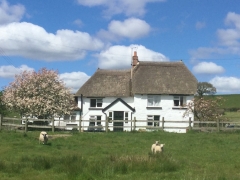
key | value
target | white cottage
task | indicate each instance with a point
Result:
(148, 92)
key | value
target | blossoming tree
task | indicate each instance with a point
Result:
(205, 109)
(41, 94)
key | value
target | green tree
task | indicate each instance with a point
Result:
(205, 88)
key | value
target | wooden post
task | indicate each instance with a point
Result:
(106, 124)
(53, 124)
(131, 123)
(190, 123)
(218, 127)
(162, 123)
(26, 125)
(1, 117)
(80, 124)
(134, 124)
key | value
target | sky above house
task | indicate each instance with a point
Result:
(76, 37)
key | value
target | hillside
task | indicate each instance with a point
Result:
(231, 102)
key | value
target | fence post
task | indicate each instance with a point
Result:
(134, 124)
(1, 117)
(162, 123)
(218, 127)
(106, 124)
(80, 124)
(53, 124)
(26, 125)
(190, 123)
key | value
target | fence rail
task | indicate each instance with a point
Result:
(16, 123)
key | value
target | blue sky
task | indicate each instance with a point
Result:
(76, 37)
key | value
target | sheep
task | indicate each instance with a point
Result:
(153, 146)
(159, 148)
(43, 137)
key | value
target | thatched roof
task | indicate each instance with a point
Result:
(105, 83)
(148, 78)
(163, 78)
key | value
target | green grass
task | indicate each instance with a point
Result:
(231, 101)
(232, 116)
(120, 156)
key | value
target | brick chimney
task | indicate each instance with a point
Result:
(134, 59)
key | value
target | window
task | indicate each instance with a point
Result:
(126, 117)
(95, 102)
(179, 100)
(110, 117)
(70, 117)
(94, 120)
(153, 120)
(153, 100)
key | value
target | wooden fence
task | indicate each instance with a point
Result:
(16, 123)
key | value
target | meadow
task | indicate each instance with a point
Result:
(123, 155)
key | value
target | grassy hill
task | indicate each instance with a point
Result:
(231, 102)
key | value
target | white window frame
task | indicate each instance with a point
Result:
(70, 117)
(150, 119)
(179, 101)
(153, 100)
(110, 116)
(126, 116)
(93, 119)
(99, 102)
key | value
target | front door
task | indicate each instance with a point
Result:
(118, 115)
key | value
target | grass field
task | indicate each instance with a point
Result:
(231, 101)
(189, 156)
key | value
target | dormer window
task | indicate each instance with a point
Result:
(95, 102)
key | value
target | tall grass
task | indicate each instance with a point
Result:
(120, 156)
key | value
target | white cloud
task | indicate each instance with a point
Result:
(228, 41)
(208, 68)
(131, 28)
(32, 41)
(74, 80)
(200, 25)
(120, 57)
(78, 22)
(10, 13)
(226, 84)
(11, 71)
(127, 7)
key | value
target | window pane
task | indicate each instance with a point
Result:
(156, 100)
(110, 114)
(73, 118)
(150, 120)
(176, 102)
(149, 123)
(99, 102)
(66, 117)
(181, 100)
(93, 103)
(98, 120)
(150, 102)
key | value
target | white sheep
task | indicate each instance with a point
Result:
(159, 148)
(43, 137)
(153, 146)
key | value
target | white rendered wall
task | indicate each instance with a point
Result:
(139, 102)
